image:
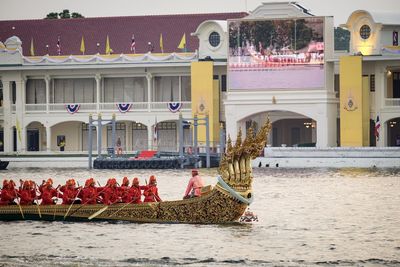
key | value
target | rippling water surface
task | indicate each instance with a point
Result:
(307, 217)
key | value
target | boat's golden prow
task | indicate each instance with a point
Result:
(235, 167)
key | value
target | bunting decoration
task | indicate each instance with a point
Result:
(124, 107)
(104, 59)
(73, 108)
(174, 106)
(391, 49)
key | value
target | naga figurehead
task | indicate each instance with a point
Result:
(235, 167)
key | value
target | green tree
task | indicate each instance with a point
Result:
(342, 39)
(52, 15)
(65, 14)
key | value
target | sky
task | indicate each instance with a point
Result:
(37, 9)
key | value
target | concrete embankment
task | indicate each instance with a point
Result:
(338, 157)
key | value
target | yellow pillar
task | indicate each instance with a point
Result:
(354, 103)
(205, 99)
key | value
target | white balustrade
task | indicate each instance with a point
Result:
(392, 102)
(104, 107)
(35, 108)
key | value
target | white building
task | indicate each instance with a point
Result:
(37, 84)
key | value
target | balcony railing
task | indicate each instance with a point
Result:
(392, 102)
(103, 107)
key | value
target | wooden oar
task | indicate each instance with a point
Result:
(97, 213)
(19, 205)
(86, 202)
(70, 206)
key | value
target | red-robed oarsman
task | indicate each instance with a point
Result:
(151, 192)
(111, 192)
(48, 193)
(69, 192)
(89, 193)
(26, 193)
(136, 191)
(8, 193)
(125, 192)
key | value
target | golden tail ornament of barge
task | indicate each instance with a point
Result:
(226, 202)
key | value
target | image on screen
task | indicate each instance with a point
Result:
(276, 54)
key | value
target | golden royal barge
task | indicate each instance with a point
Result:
(226, 202)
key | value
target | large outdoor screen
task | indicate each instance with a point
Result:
(276, 54)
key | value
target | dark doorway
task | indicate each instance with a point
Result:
(33, 140)
(15, 138)
(295, 137)
(1, 140)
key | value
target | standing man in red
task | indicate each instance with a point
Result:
(151, 192)
(194, 186)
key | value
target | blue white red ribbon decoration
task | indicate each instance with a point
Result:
(124, 107)
(73, 108)
(174, 106)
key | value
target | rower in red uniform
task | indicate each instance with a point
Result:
(136, 191)
(69, 192)
(151, 192)
(26, 193)
(48, 193)
(89, 193)
(125, 191)
(8, 193)
(111, 192)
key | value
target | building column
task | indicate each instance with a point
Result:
(98, 89)
(149, 77)
(20, 112)
(48, 138)
(128, 136)
(47, 81)
(8, 134)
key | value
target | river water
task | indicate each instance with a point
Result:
(307, 217)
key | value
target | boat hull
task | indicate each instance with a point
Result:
(216, 207)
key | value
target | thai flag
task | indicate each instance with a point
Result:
(377, 127)
(133, 44)
(58, 46)
(155, 133)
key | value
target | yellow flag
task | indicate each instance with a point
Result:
(182, 44)
(32, 48)
(161, 43)
(108, 48)
(82, 46)
(18, 128)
